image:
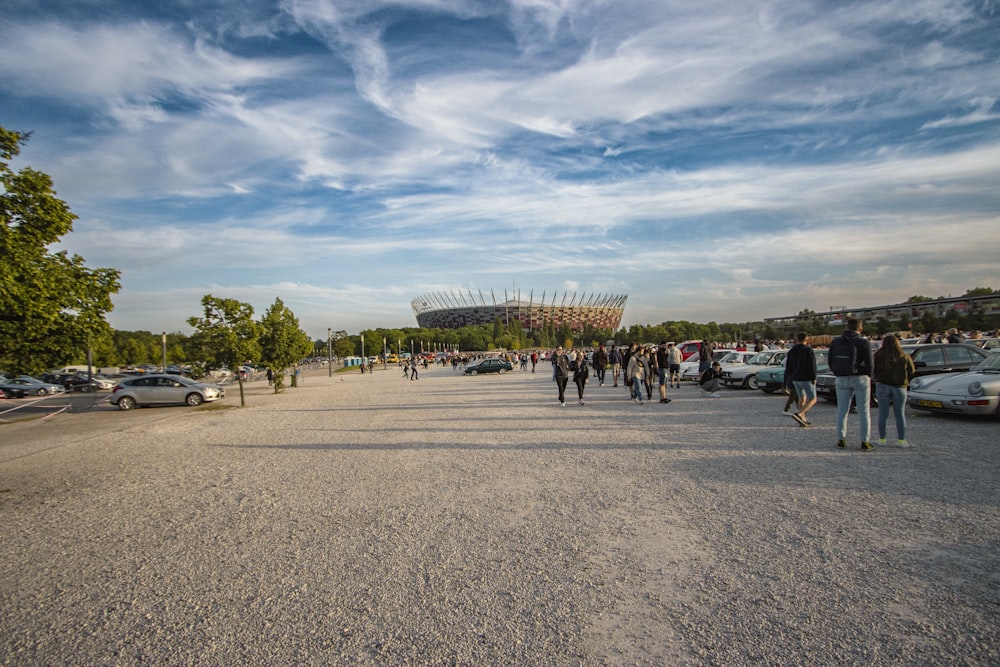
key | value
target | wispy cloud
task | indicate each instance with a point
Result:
(715, 161)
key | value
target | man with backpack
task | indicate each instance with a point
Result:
(852, 361)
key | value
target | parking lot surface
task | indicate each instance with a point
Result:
(369, 519)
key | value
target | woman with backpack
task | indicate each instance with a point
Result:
(893, 371)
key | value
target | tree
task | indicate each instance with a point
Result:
(226, 334)
(282, 342)
(52, 307)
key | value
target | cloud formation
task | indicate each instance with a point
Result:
(715, 161)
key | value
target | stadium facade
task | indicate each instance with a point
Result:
(454, 309)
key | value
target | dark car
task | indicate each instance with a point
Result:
(491, 365)
(13, 391)
(72, 381)
(929, 359)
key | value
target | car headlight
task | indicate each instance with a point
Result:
(916, 383)
(975, 388)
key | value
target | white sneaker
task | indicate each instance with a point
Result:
(902, 444)
(715, 396)
(880, 442)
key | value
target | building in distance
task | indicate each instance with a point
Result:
(454, 309)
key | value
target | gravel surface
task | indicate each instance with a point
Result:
(371, 520)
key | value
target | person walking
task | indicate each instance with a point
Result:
(560, 369)
(893, 371)
(851, 360)
(634, 373)
(663, 370)
(652, 371)
(800, 371)
(580, 374)
(615, 359)
(600, 362)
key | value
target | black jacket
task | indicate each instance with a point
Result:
(800, 364)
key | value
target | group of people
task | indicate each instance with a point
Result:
(855, 366)
(851, 358)
(638, 367)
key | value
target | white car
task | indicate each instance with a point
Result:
(689, 369)
(745, 375)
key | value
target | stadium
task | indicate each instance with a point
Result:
(454, 309)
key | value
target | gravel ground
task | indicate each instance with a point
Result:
(371, 520)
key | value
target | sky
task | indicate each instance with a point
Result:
(714, 160)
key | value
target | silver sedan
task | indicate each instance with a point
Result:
(973, 392)
(163, 390)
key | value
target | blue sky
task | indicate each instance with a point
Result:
(721, 161)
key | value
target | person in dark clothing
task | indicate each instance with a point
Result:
(580, 374)
(800, 372)
(663, 370)
(560, 367)
(705, 358)
(600, 362)
(893, 371)
(710, 381)
(853, 383)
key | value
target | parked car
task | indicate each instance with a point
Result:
(35, 386)
(163, 389)
(991, 345)
(689, 369)
(13, 391)
(73, 381)
(489, 365)
(745, 375)
(973, 392)
(929, 359)
(772, 379)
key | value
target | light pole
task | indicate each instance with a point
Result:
(164, 351)
(329, 352)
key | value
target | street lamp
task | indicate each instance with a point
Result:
(329, 352)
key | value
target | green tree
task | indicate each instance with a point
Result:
(52, 307)
(227, 334)
(282, 341)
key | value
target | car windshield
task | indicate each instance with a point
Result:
(989, 364)
(760, 358)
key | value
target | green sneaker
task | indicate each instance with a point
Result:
(866, 445)
(881, 442)
(842, 443)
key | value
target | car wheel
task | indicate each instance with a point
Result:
(194, 399)
(126, 403)
(750, 382)
(473, 372)
(42, 392)
(502, 371)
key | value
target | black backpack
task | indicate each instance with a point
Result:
(844, 357)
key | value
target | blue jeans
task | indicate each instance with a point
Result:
(859, 388)
(637, 386)
(886, 394)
